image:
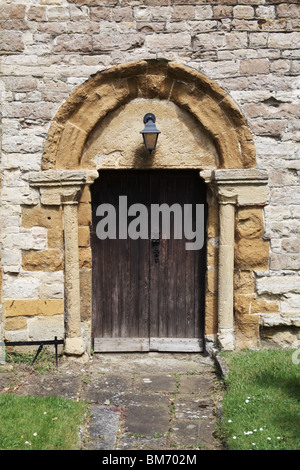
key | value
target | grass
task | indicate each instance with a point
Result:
(39, 423)
(261, 404)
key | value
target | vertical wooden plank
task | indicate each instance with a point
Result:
(154, 188)
(143, 284)
(130, 290)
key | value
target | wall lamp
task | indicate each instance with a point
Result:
(150, 132)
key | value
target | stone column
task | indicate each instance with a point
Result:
(74, 342)
(244, 187)
(225, 273)
(63, 187)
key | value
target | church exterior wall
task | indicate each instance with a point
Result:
(249, 52)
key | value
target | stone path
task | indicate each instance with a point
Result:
(138, 401)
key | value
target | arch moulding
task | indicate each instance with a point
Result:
(235, 182)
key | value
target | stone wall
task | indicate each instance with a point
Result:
(250, 48)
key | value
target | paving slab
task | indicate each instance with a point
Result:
(134, 442)
(149, 401)
(191, 434)
(155, 383)
(187, 407)
(147, 420)
(196, 385)
(103, 428)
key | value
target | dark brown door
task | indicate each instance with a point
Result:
(148, 292)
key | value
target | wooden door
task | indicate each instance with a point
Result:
(148, 293)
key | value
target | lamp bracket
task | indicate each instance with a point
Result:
(149, 117)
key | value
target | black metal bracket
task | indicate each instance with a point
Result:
(41, 344)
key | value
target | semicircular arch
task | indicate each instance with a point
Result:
(112, 88)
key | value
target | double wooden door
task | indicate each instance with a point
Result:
(148, 293)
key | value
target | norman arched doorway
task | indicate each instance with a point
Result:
(70, 165)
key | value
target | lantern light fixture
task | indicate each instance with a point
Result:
(150, 132)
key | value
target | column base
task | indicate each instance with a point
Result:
(226, 339)
(74, 346)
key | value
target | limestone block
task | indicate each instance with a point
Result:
(247, 331)
(244, 282)
(212, 226)
(108, 41)
(74, 346)
(85, 294)
(83, 236)
(283, 337)
(50, 285)
(278, 284)
(121, 146)
(51, 290)
(92, 110)
(10, 258)
(282, 261)
(11, 42)
(84, 215)
(228, 147)
(42, 216)
(282, 229)
(242, 303)
(17, 335)
(70, 146)
(284, 10)
(264, 306)
(254, 66)
(45, 260)
(19, 195)
(212, 252)
(169, 42)
(253, 194)
(284, 40)
(73, 43)
(21, 287)
(252, 254)
(13, 178)
(85, 258)
(25, 239)
(85, 194)
(243, 11)
(46, 328)
(55, 238)
(211, 319)
(24, 308)
(271, 320)
(17, 323)
(49, 153)
(291, 245)
(290, 304)
(37, 13)
(249, 223)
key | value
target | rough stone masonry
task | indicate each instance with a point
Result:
(249, 52)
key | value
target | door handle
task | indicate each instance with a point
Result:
(155, 246)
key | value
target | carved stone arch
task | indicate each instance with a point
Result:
(110, 89)
(233, 182)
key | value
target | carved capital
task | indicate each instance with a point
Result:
(243, 187)
(61, 186)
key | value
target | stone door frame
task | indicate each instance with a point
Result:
(237, 183)
(232, 188)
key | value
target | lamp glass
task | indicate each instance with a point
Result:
(150, 140)
(150, 132)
